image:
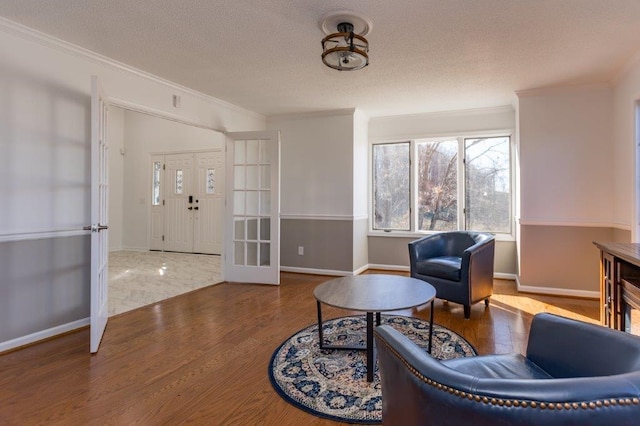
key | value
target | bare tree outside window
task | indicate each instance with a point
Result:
(391, 188)
(437, 185)
(488, 184)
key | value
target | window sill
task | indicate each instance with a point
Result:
(416, 235)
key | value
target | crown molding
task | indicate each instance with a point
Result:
(451, 113)
(553, 90)
(347, 218)
(573, 223)
(47, 40)
(315, 114)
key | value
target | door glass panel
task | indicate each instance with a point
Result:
(211, 181)
(265, 254)
(252, 254)
(265, 229)
(239, 152)
(252, 177)
(155, 197)
(265, 202)
(265, 155)
(238, 177)
(238, 233)
(179, 182)
(265, 177)
(238, 253)
(252, 203)
(252, 152)
(252, 229)
(238, 202)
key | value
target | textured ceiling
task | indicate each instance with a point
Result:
(426, 55)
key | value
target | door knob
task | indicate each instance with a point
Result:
(189, 208)
(195, 208)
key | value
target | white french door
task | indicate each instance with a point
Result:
(99, 214)
(252, 240)
(187, 207)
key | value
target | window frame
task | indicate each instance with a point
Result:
(461, 180)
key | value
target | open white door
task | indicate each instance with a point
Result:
(99, 217)
(252, 217)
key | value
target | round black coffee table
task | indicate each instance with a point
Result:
(373, 293)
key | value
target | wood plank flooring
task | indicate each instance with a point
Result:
(202, 357)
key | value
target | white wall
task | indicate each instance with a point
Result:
(145, 135)
(626, 94)
(360, 164)
(566, 156)
(316, 164)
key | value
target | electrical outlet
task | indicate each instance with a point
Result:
(300, 251)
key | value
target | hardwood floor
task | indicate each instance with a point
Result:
(202, 357)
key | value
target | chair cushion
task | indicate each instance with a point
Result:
(445, 267)
(508, 366)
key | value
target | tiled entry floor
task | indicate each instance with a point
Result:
(141, 278)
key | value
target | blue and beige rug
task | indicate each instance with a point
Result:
(333, 383)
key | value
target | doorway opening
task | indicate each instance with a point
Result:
(138, 276)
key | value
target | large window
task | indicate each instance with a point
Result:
(452, 183)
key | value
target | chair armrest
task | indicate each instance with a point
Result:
(565, 347)
(418, 389)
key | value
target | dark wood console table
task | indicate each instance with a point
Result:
(619, 283)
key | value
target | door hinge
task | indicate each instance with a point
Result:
(163, 202)
(163, 238)
(164, 167)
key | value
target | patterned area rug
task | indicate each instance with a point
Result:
(333, 383)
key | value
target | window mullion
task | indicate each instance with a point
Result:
(413, 188)
(462, 199)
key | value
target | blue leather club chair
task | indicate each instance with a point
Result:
(459, 264)
(574, 373)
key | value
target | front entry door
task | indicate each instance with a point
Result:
(187, 202)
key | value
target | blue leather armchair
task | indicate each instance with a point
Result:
(458, 264)
(573, 373)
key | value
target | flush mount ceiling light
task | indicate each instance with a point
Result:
(346, 49)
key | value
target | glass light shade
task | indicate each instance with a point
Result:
(345, 51)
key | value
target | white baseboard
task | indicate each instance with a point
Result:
(313, 271)
(44, 334)
(586, 294)
(503, 276)
(343, 273)
(388, 267)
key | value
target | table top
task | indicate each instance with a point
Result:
(375, 292)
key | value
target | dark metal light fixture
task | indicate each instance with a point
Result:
(347, 49)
